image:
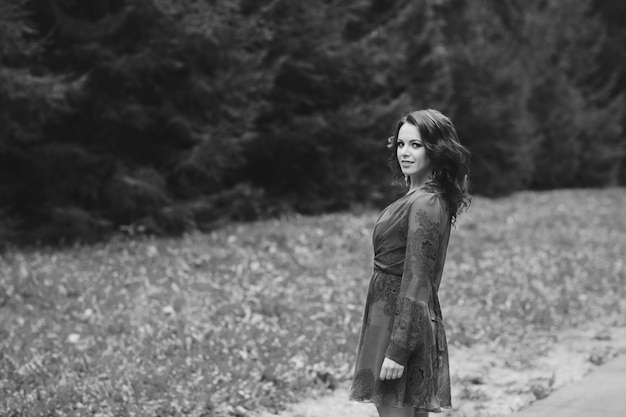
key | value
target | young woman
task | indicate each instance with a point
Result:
(402, 355)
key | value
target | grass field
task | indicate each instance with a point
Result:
(257, 315)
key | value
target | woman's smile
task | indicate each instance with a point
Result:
(411, 154)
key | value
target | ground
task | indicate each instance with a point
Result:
(259, 316)
(490, 381)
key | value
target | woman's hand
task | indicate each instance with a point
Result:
(390, 370)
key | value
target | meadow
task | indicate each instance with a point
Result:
(257, 315)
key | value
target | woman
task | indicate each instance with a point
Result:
(402, 356)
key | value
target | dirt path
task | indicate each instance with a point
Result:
(490, 380)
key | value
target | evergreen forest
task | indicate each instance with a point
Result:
(162, 116)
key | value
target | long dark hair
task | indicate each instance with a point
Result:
(450, 159)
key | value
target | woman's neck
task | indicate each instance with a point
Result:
(417, 182)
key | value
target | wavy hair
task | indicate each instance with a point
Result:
(449, 158)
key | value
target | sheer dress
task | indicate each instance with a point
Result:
(402, 318)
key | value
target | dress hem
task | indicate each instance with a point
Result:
(419, 409)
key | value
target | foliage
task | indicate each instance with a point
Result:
(150, 114)
(612, 58)
(151, 122)
(257, 315)
(27, 102)
(575, 106)
(491, 95)
(314, 143)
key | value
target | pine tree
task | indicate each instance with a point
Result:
(29, 98)
(613, 59)
(579, 118)
(490, 93)
(158, 106)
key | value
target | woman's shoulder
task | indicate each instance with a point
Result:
(428, 200)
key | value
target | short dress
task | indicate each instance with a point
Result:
(402, 318)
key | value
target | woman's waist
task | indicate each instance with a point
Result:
(394, 273)
(389, 262)
(394, 269)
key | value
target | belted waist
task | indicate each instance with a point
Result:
(389, 271)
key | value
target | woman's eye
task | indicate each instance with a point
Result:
(416, 145)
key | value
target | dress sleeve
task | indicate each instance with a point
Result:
(411, 328)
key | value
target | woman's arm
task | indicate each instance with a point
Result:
(412, 329)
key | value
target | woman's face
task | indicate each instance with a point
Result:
(411, 153)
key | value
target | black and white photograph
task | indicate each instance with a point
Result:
(312, 208)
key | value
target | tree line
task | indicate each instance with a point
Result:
(166, 115)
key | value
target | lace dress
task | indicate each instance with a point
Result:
(402, 318)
